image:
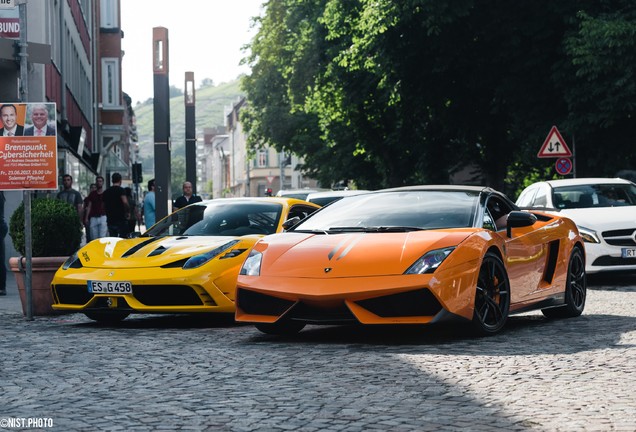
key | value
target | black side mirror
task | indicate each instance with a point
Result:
(290, 222)
(518, 219)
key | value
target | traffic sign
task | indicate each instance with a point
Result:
(270, 179)
(554, 146)
(563, 166)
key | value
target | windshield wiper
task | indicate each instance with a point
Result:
(372, 229)
(310, 231)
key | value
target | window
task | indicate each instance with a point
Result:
(108, 14)
(110, 82)
(261, 159)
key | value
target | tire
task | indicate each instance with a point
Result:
(492, 297)
(107, 317)
(286, 328)
(575, 289)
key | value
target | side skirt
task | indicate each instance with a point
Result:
(552, 301)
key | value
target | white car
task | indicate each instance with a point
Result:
(604, 209)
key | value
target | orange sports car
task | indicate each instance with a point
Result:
(414, 255)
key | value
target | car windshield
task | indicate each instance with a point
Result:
(395, 211)
(220, 218)
(594, 195)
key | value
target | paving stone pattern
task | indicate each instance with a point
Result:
(173, 373)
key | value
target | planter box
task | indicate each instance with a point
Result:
(42, 272)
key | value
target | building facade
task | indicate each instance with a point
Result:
(237, 172)
(74, 58)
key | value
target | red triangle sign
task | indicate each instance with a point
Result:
(554, 146)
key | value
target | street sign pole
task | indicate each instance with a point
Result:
(23, 96)
(573, 158)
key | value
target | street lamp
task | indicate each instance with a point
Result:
(190, 132)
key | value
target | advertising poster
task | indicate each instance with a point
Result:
(28, 146)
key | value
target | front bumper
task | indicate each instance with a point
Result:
(153, 291)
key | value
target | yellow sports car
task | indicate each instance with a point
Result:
(187, 262)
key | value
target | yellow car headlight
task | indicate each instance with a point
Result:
(199, 260)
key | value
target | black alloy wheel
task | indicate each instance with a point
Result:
(492, 298)
(575, 289)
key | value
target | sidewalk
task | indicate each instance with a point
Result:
(11, 302)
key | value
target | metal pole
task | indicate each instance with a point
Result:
(573, 158)
(23, 94)
(190, 132)
(161, 106)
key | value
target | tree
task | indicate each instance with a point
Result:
(390, 93)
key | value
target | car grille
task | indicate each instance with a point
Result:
(166, 295)
(411, 303)
(149, 295)
(72, 294)
(607, 261)
(315, 315)
(622, 237)
(261, 304)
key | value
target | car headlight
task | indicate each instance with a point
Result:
(199, 260)
(429, 262)
(72, 262)
(252, 265)
(588, 235)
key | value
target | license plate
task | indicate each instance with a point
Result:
(109, 287)
(628, 253)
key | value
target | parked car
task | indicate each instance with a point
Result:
(604, 211)
(185, 263)
(327, 197)
(296, 193)
(414, 255)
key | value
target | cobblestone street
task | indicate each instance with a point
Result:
(178, 373)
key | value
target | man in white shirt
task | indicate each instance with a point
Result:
(40, 119)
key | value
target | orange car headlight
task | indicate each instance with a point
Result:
(252, 265)
(429, 262)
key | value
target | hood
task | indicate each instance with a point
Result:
(113, 252)
(351, 254)
(603, 218)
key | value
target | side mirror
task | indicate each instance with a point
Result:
(518, 219)
(290, 222)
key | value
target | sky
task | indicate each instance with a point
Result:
(204, 37)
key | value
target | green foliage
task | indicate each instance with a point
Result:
(389, 93)
(55, 228)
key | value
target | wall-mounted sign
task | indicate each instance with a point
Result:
(28, 146)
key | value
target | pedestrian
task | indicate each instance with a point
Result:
(149, 205)
(95, 215)
(10, 126)
(134, 216)
(187, 198)
(117, 208)
(3, 233)
(40, 120)
(91, 188)
(71, 196)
